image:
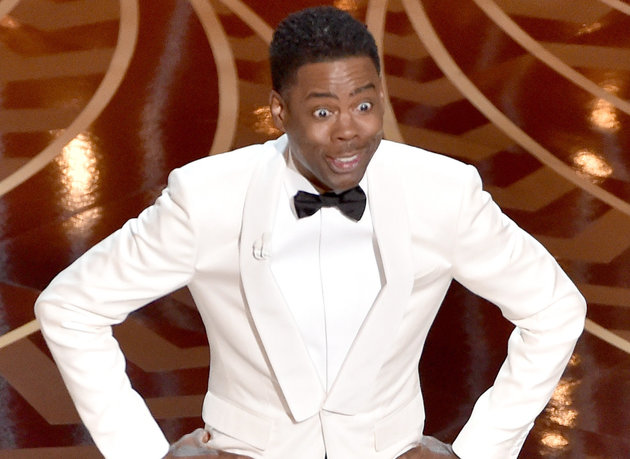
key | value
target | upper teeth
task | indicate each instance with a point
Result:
(348, 159)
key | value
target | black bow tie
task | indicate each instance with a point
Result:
(351, 202)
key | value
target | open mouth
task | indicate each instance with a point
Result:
(345, 163)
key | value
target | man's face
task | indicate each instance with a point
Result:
(333, 116)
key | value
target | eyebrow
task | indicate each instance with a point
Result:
(334, 96)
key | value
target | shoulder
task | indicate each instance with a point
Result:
(229, 171)
(230, 163)
(414, 165)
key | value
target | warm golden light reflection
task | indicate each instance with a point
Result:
(263, 123)
(591, 165)
(347, 5)
(9, 23)
(589, 28)
(564, 391)
(79, 173)
(554, 440)
(604, 115)
(82, 221)
(575, 360)
(561, 412)
(611, 87)
(562, 416)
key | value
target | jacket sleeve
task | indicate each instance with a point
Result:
(497, 260)
(148, 257)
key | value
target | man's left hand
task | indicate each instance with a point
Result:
(195, 445)
(429, 448)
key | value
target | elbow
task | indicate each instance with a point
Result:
(42, 311)
(47, 311)
(576, 315)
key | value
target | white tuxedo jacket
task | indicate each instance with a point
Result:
(210, 230)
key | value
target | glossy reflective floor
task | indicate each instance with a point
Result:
(99, 100)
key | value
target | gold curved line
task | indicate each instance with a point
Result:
(375, 19)
(431, 41)
(505, 23)
(127, 37)
(606, 335)
(18, 333)
(244, 12)
(617, 5)
(226, 74)
(6, 6)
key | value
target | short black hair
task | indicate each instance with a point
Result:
(318, 34)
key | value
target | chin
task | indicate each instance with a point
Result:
(345, 186)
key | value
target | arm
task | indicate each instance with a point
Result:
(147, 258)
(498, 261)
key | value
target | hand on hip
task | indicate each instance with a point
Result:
(430, 448)
(195, 445)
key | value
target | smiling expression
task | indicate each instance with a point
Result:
(333, 116)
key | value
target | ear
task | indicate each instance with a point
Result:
(381, 97)
(381, 91)
(278, 110)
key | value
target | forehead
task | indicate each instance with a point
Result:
(339, 75)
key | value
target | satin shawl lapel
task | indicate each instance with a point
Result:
(352, 387)
(274, 322)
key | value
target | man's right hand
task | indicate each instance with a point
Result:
(213, 454)
(430, 448)
(195, 446)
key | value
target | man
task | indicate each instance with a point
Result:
(316, 317)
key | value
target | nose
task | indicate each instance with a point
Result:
(345, 127)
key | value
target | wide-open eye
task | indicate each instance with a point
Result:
(364, 106)
(322, 113)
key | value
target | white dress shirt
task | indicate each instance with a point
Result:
(314, 263)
